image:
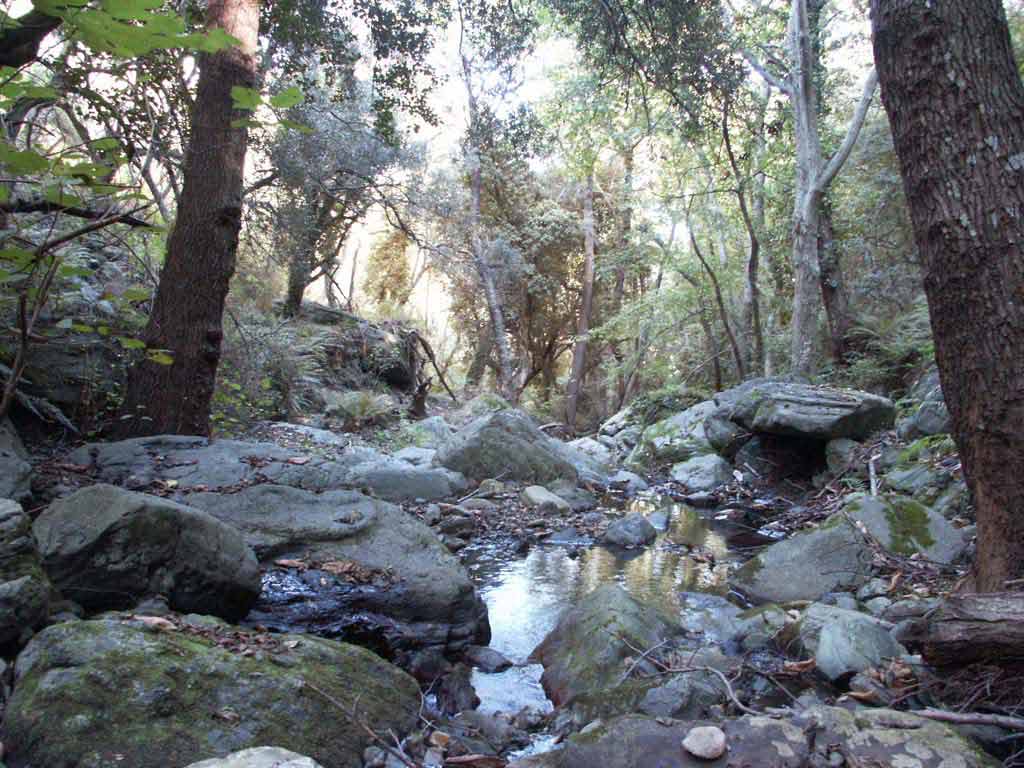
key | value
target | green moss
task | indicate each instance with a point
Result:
(908, 525)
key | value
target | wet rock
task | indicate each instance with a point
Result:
(427, 665)
(15, 470)
(568, 535)
(24, 588)
(629, 481)
(499, 733)
(702, 500)
(506, 444)
(686, 696)
(106, 547)
(455, 692)
(807, 565)
(259, 757)
(405, 591)
(109, 693)
(578, 499)
(631, 531)
(675, 439)
(487, 659)
(461, 527)
(584, 654)
(537, 496)
(845, 642)
(706, 742)
(906, 527)
(703, 473)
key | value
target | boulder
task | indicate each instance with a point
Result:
(259, 757)
(930, 416)
(683, 696)
(398, 481)
(906, 527)
(807, 564)
(723, 434)
(840, 454)
(537, 496)
(677, 438)
(630, 531)
(592, 460)
(418, 457)
(845, 642)
(583, 656)
(506, 444)
(156, 693)
(402, 589)
(627, 417)
(15, 470)
(106, 547)
(24, 588)
(630, 482)
(432, 432)
(804, 410)
(703, 473)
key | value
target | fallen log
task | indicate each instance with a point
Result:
(965, 629)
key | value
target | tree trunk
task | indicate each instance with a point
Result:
(971, 628)
(956, 105)
(833, 286)
(189, 302)
(481, 356)
(741, 372)
(298, 278)
(579, 352)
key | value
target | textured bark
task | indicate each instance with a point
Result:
(723, 315)
(956, 105)
(579, 352)
(833, 286)
(971, 628)
(189, 302)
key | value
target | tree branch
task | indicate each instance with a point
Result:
(777, 82)
(19, 45)
(852, 132)
(45, 206)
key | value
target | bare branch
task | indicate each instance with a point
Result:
(852, 132)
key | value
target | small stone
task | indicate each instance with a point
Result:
(706, 742)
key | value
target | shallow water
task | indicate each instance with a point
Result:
(525, 595)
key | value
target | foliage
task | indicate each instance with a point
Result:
(361, 408)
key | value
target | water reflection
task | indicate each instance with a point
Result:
(526, 596)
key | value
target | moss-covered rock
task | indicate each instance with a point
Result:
(905, 526)
(675, 439)
(116, 692)
(24, 588)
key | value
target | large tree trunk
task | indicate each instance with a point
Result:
(579, 352)
(298, 279)
(189, 302)
(833, 285)
(956, 104)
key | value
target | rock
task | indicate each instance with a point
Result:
(754, 458)
(841, 454)
(702, 500)
(931, 416)
(568, 535)
(113, 692)
(683, 696)
(877, 606)
(490, 488)
(703, 473)
(630, 482)
(909, 608)
(873, 588)
(630, 531)
(455, 693)
(259, 757)
(597, 451)
(397, 481)
(418, 457)
(428, 665)
(757, 628)
(413, 592)
(15, 470)
(677, 438)
(579, 499)
(584, 653)
(479, 505)
(432, 432)
(724, 435)
(706, 742)
(906, 527)
(106, 547)
(620, 421)
(592, 461)
(802, 410)
(506, 444)
(537, 496)
(24, 588)
(806, 565)
(487, 659)
(845, 642)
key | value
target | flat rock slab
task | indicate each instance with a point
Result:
(259, 757)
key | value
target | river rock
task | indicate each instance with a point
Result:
(906, 527)
(807, 565)
(418, 457)
(841, 454)
(487, 659)
(118, 692)
(613, 425)
(24, 588)
(630, 531)
(724, 435)
(684, 696)
(15, 470)
(537, 496)
(677, 438)
(845, 642)
(803, 410)
(508, 445)
(432, 432)
(584, 654)
(259, 757)
(706, 742)
(405, 591)
(630, 482)
(703, 473)
(106, 547)
(930, 416)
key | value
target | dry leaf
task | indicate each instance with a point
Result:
(300, 564)
(157, 622)
(440, 739)
(799, 667)
(299, 460)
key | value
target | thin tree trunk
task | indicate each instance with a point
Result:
(833, 286)
(189, 302)
(481, 356)
(579, 352)
(741, 371)
(956, 105)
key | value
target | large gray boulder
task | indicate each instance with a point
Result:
(677, 438)
(906, 527)
(393, 585)
(630, 531)
(506, 445)
(124, 692)
(15, 470)
(703, 473)
(930, 416)
(106, 547)
(24, 588)
(845, 642)
(259, 757)
(805, 566)
(804, 410)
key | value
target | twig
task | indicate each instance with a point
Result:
(873, 474)
(973, 718)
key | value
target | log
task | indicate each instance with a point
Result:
(965, 629)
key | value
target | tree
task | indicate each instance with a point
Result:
(955, 101)
(201, 249)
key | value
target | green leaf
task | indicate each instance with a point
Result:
(136, 293)
(22, 162)
(103, 330)
(82, 328)
(245, 98)
(287, 98)
(107, 142)
(292, 125)
(159, 356)
(69, 270)
(130, 9)
(245, 123)
(129, 343)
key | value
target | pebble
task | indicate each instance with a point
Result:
(706, 742)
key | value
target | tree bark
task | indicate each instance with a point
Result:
(723, 315)
(201, 249)
(970, 628)
(956, 105)
(833, 285)
(579, 352)
(19, 45)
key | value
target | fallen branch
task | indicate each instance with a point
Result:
(973, 718)
(433, 361)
